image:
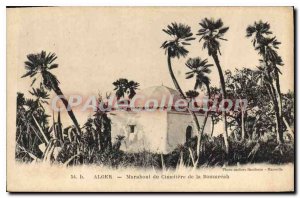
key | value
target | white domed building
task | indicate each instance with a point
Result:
(160, 130)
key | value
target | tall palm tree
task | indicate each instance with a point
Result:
(211, 32)
(266, 47)
(41, 64)
(181, 35)
(261, 75)
(124, 86)
(200, 69)
(260, 29)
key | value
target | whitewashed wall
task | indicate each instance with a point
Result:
(158, 132)
(150, 130)
(177, 125)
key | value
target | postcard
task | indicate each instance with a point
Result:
(150, 99)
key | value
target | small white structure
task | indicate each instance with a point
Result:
(159, 131)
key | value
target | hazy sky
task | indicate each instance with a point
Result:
(96, 46)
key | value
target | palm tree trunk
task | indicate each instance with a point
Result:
(222, 82)
(287, 125)
(276, 101)
(199, 140)
(277, 124)
(278, 119)
(206, 114)
(277, 114)
(243, 124)
(194, 117)
(273, 99)
(212, 126)
(277, 108)
(59, 93)
(279, 103)
(59, 128)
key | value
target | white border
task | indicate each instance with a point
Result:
(148, 3)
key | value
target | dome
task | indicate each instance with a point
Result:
(165, 96)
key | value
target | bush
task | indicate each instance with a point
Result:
(241, 152)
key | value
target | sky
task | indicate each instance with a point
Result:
(95, 46)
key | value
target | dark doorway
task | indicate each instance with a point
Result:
(188, 133)
(132, 128)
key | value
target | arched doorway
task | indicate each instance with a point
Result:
(188, 133)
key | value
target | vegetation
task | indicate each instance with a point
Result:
(124, 86)
(41, 64)
(263, 132)
(176, 48)
(199, 68)
(211, 32)
(266, 47)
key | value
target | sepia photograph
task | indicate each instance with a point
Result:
(150, 99)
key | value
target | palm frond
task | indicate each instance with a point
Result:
(200, 68)
(181, 35)
(211, 31)
(192, 94)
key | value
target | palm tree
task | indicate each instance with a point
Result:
(200, 69)
(41, 95)
(27, 134)
(36, 106)
(103, 128)
(123, 86)
(261, 75)
(266, 47)
(41, 64)
(212, 32)
(181, 35)
(215, 117)
(260, 29)
(191, 94)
